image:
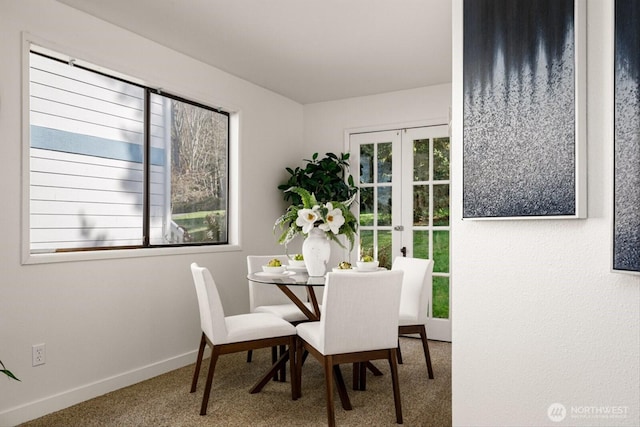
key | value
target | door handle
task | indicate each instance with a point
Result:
(404, 251)
(399, 228)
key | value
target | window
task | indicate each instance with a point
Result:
(116, 164)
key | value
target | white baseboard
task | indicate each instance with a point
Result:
(47, 405)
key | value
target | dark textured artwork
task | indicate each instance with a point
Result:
(519, 145)
(626, 236)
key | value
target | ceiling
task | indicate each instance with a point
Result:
(307, 50)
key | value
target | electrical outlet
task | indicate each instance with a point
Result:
(38, 354)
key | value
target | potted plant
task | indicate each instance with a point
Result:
(7, 372)
(328, 179)
(319, 223)
(332, 218)
(320, 195)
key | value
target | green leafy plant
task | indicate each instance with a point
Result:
(7, 372)
(333, 217)
(328, 179)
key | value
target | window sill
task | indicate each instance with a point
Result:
(48, 258)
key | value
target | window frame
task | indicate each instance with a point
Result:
(31, 43)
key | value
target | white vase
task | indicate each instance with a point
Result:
(316, 250)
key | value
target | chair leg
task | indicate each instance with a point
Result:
(328, 379)
(207, 389)
(283, 370)
(249, 356)
(274, 358)
(342, 388)
(293, 368)
(299, 362)
(396, 385)
(356, 376)
(203, 344)
(425, 348)
(399, 353)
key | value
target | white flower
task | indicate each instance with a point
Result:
(307, 218)
(334, 219)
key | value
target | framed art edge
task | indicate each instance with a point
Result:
(581, 109)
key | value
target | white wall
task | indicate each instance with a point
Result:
(110, 323)
(538, 318)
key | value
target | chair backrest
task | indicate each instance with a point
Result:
(416, 286)
(360, 311)
(211, 311)
(261, 294)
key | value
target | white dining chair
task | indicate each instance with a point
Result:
(414, 301)
(359, 323)
(238, 333)
(269, 299)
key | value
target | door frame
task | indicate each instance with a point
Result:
(440, 329)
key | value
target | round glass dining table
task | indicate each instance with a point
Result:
(293, 278)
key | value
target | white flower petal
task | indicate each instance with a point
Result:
(334, 220)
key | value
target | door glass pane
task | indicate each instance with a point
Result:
(420, 205)
(441, 204)
(384, 249)
(441, 251)
(366, 243)
(421, 160)
(366, 164)
(440, 297)
(384, 162)
(366, 206)
(421, 244)
(384, 205)
(441, 158)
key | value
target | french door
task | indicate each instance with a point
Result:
(403, 210)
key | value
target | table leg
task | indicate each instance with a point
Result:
(294, 298)
(314, 301)
(269, 375)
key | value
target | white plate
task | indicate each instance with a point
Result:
(302, 269)
(360, 270)
(285, 274)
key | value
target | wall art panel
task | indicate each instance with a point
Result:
(523, 144)
(626, 218)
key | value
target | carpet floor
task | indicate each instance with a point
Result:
(165, 400)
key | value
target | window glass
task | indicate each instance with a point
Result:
(195, 142)
(421, 160)
(384, 162)
(421, 205)
(441, 205)
(366, 164)
(384, 206)
(441, 297)
(441, 158)
(114, 165)
(366, 206)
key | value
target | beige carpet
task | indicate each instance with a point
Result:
(165, 400)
